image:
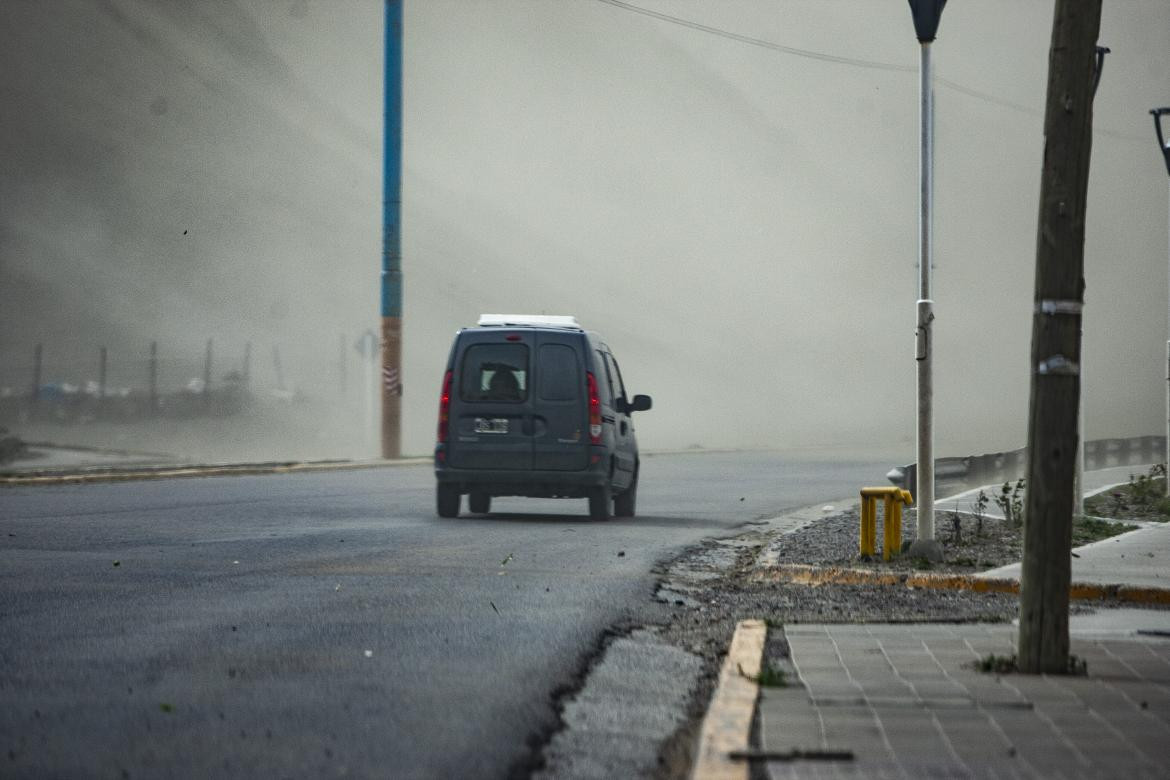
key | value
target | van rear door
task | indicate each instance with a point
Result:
(491, 404)
(560, 417)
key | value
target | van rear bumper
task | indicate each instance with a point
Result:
(533, 484)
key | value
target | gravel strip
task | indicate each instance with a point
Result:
(834, 541)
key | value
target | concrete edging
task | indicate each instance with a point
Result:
(175, 472)
(817, 575)
(728, 723)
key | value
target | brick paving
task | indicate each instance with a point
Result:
(904, 700)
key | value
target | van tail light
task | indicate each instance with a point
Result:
(594, 410)
(445, 409)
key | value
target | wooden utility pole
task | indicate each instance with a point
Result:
(1056, 339)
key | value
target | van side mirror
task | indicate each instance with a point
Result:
(641, 403)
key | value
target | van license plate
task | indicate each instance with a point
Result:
(491, 424)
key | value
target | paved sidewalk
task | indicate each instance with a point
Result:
(1139, 558)
(904, 701)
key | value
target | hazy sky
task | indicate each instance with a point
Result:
(739, 222)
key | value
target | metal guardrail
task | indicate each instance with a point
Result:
(958, 474)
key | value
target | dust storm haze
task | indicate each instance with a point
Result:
(738, 220)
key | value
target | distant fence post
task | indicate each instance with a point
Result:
(277, 365)
(207, 376)
(153, 369)
(38, 355)
(103, 355)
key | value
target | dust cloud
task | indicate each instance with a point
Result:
(738, 221)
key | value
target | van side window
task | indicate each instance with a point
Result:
(558, 377)
(495, 372)
(617, 372)
(604, 379)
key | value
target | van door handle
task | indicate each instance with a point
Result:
(527, 426)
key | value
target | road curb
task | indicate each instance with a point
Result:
(1084, 591)
(178, 472)
(728, 722)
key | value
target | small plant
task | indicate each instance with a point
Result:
(956, 527)
(1008, 664)
(1089, 529)
(1117, 503)
(922, 564)
(1145, 488)
(1140, 489)
(979, 511)
(1011, 502)
(769, 676)
(996, 664)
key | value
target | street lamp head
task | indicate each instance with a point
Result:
(1163, 141)
(1098, 66)
(926, 14)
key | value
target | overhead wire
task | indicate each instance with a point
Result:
(839, 60)
(807, 53)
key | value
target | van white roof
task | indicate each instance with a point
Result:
(539, 320)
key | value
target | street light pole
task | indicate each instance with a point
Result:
(1164, 147)
(926, 15)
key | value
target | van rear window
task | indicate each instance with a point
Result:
(495, 372)
(559, 378)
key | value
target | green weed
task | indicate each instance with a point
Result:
(1008, 664)
(769, 676)
(1011, 502)
(996, 664)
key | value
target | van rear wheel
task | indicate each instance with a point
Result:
(599, 500)
(625, 503)
(479, 503)
(447, 501)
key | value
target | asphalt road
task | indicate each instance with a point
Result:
(328, 624)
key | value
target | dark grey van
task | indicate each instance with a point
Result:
(535, 406)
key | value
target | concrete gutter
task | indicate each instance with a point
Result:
(130, 473)
(727, 725)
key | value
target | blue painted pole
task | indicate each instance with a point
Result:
(392, 236)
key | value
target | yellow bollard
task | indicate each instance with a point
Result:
(868, 524)
(892, 500)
